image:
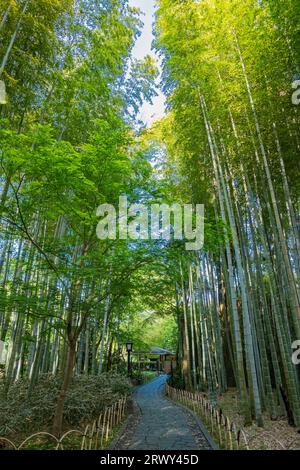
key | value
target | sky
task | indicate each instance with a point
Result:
(149, 113)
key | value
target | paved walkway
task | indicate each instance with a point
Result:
(164, 425)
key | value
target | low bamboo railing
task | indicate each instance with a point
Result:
(95, 436)
(220, 427)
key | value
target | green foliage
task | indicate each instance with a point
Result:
(231, 138)
(69, 141)
(87, 398)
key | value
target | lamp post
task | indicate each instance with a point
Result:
(129, 349)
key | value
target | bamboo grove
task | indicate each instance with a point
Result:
(233, 134)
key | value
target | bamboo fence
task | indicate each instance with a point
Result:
(221, 428)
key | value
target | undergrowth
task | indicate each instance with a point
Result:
(86, 399)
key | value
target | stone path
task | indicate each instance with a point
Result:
(162, 424)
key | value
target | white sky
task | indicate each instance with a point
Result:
(142, 48)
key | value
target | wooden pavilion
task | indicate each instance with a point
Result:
(158, 359)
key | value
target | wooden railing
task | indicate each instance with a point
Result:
(220, 427)
(96, 435)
